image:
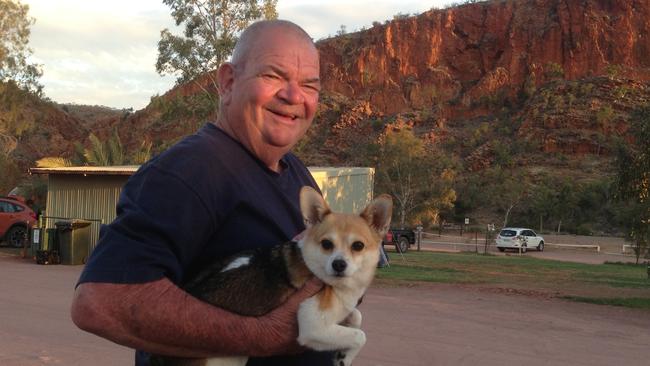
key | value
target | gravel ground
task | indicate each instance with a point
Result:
(420, 325)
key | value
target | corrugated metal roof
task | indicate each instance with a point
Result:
(88, 170)
(131, 169)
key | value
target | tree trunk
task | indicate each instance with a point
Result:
(505, 221)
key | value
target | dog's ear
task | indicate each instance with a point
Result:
(378, 214)
(313, 206)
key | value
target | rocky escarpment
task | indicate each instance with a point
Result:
(569, 73)
(462, 54)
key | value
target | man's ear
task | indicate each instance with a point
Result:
(225, 79)
(313, 206)
(378, 214)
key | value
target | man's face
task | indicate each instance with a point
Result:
(274, 93)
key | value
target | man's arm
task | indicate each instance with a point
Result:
(159, 317)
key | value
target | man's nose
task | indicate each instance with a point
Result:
(292, 93)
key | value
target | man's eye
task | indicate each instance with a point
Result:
(312, 88)
(270, 76)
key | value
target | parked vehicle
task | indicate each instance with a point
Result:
(402, 239)
(16, 218)
(519, 238)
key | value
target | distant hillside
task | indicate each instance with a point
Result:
(545, 87)
(91, 115)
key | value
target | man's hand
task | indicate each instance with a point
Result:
(278, 330)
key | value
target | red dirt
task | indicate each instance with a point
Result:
(419, 325)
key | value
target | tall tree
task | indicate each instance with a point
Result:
(211, 30)
(14, 52)
(419, 179)
(18, 77)
(511, 188)
(633, 179)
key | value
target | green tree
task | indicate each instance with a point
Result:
(633, 179)
(106, 153)
(419, 180)
(511, 188)
(10, 173)
(211, 30)
(142, 154)
(544, 203)
(18, 77)
(110, 152)
(14, 52)
(553, 70)
(15, 118)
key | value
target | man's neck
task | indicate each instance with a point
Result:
(270, 157)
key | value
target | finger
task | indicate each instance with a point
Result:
(311, 287)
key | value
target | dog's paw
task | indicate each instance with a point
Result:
(344, 358)
(359, 339)
(340, 359)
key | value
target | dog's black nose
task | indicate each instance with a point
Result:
(339, 265)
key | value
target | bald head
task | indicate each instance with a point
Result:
(269, 92)
(251, 35)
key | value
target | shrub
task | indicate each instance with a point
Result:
(553, 70)
(584, 229)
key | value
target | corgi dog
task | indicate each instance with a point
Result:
(340, 249)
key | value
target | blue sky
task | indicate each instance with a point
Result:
(104, 52)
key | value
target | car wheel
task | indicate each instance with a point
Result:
(501, 249)
(16, 236)
(540, 247)
(403, 244)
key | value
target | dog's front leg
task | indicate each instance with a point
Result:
(354, 319)
(318, 330)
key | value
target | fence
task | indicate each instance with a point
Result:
(629, 249)
(472, 241)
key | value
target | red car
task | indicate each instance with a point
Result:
(16, 218)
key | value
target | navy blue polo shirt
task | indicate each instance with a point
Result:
(204, 198)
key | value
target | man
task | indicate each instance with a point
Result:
(230, 187)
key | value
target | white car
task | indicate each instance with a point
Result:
(517, 237)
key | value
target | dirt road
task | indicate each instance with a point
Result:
(422, 325)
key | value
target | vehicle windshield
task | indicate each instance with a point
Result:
(508, 233)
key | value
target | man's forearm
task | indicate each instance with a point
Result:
(158, 317)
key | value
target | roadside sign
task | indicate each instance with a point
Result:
(467, 221)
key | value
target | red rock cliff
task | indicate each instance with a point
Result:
(462, 53)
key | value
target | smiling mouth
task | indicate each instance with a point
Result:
(290, 116)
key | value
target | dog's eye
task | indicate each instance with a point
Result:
(357, 246)
(326, 244)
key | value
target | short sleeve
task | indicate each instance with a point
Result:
(160, 228)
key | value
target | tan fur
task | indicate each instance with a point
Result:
(326, 298)
(343, 251)
(328, 321)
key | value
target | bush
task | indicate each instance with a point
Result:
(584, 229)
(553, 70)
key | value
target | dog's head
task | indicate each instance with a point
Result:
(343, 249)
